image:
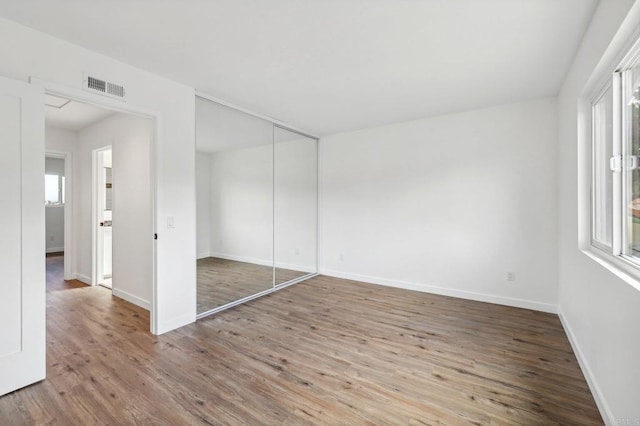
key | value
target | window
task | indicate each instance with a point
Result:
(602, 217)
(54, 190)
(630, 88)
(615, 137)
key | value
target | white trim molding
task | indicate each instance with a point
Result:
(598, 396)
(144, 304)
(262, 262)
(82, 278)
(442, 291)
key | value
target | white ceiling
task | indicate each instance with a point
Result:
(74, 115)
(333, 65)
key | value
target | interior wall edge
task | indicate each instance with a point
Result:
(175, 323)
(442, 291)
(597, 393)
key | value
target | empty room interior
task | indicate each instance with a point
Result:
(337, 212)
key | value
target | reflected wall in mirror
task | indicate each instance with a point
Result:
(234, 190)
(295, 205)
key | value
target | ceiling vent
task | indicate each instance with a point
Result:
(98, 85)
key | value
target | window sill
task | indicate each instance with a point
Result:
(48, 206)
(619, 266)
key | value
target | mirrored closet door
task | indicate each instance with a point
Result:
(234, 203)
(256, 202)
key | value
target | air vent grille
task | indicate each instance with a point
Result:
(104, 87)
(97, 84)
(115, 90)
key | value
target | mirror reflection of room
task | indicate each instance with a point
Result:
(256, 192)
(234, 187)
(295, 205)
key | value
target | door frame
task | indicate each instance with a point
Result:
(97, 239)
(69, 247)
(105, 102)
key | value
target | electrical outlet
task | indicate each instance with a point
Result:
(511, 276)
(297, 252)
(341, 257)
(51, 238)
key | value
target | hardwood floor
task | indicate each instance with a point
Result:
(55, 274)
(221, 281)
(325, 351)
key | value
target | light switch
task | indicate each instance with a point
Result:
(170, 222)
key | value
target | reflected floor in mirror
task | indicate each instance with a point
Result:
(221, 281)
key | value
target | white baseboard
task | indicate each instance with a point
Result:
(55, 249)
(262, 262)
(203, 255)
(463, 294)
(294, 267)
(82, 278)
(253, 260)
(144, 304)
(603, 407)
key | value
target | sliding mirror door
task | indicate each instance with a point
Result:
(234, 189)
(295, 205)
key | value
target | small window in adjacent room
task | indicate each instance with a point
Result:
(54, 190)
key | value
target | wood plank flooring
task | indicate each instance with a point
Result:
(325, 351)
(221, 281)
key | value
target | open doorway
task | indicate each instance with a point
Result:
(109, 154)
(103, 197)
(55, 212)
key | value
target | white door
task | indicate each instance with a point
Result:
(22, 236)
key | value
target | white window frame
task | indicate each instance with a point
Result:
(615, 152)
(612, 257)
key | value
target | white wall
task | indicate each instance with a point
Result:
(601, 312)
(59, 140)
(447, 204)
(32, 53)
(54, 215)
(203, 204)
(130, 138)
